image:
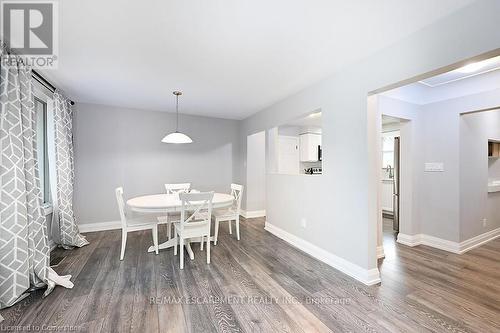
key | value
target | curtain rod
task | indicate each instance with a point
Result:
(40, 79)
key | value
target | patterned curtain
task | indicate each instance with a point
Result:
(24, 249)
(64, 229)
(24, 243)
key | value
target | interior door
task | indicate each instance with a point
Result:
(288, 162)
(395, 196)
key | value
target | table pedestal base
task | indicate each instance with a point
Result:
(171, 243)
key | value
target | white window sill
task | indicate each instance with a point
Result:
(46, 209)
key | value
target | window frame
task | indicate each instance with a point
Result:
(45, 157)
(41, 94)
(388, 134)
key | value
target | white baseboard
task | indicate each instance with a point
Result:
(99, 226)
(408, 240)
(366, 276)
(113, 225)
(380, 252)
(422, 239)
(479, 240)
(439, 243)
(248, 214)
(446, 245)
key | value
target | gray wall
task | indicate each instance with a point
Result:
(439, 191)
(475, 169)
(115, 146)
(342, 211)
(256, 172)
(121, 147)
(452, 204)
(411, 160)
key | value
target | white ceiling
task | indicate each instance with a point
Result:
(421, 94)
(230, 58)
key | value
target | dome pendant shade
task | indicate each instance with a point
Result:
(177, 137)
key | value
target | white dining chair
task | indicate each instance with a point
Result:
(134, 224)
(177, 188)
(192, 224)
(230, 214)
(173, 217)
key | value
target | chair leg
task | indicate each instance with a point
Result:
(169, 229)
(176, 242)
(238, 228)
(208, 249)
(201, 243)
(124, 243)
(154, 230)
(181, 249)
(230, 230)
(216, 232)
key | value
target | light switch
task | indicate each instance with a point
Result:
(434, 167)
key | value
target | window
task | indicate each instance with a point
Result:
(387, 151)
(43, 163)
(388, 148)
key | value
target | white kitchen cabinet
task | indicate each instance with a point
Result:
(387, 191)
(309, 143)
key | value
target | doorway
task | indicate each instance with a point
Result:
(395, 157)
(428, 205)
(390, 174)
(255, 192)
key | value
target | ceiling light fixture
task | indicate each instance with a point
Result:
(477, 66)
(471, 68)
(177, 137)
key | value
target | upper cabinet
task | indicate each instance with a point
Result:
(309, 147)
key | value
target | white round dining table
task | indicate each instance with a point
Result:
(165, 203)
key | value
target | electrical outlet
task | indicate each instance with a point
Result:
(303, 223)
(485, 222)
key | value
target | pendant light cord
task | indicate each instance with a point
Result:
(177, 111)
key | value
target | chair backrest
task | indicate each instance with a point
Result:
(237, 193)
(121, 205)
(196, 209)
(177, 188)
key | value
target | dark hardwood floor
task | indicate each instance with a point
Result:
(262, 284)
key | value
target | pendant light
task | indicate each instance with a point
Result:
(177, 137)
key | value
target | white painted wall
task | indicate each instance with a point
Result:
(450, 205)
(272, 150)
(342, 213)
(256, 172)
(440, 209)
(475, 169)
(450, 213)
(121, 147)
(289, 130)
(410, 155)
